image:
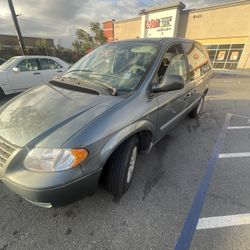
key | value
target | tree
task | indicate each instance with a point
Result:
(77, 47)
(87, 41)
(98, 34)
(85, 38)
(42, 45)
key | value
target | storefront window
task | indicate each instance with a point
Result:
(225, 56)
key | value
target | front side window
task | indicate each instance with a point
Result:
(28, 65)
(119, 65)
(173, 63)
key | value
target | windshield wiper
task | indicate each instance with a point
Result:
(104, 84)
(81, 70)
(114, 90)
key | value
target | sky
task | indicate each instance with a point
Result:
(59, 19)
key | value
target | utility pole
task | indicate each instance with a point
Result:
(18, 31)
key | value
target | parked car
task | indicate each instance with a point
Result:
(2, 61)
(58, 139)
(22, 72)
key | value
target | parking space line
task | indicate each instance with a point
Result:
(238, 127)
(223, 221)
(234, 155)
(189, 227)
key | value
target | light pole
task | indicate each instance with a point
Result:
(18, 31)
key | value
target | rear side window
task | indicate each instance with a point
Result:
(54, 65)
(48, 64)
(197, 60)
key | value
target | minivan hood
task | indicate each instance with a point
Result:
(42, 110)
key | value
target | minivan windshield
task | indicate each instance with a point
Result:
(118, 65)
(8, 64)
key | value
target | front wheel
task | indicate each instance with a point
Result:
(121, 166)
(198, 108)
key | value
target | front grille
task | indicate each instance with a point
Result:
(6, 150)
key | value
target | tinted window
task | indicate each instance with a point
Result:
(197, 59)
(48, 64)
(173, 63)
(28, 65)
(44, 64)
(54, 65)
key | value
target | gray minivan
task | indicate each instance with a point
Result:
(57, 140)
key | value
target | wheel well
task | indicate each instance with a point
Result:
(145, 139)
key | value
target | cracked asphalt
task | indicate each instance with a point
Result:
(151, 214)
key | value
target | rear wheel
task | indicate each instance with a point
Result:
(198, 108)
(121, 166)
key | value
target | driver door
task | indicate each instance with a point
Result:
(171, 104)
(27, 77)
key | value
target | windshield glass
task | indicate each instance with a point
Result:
(118, 65)
(8, 64)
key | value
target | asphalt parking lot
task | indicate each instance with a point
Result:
(169, 195)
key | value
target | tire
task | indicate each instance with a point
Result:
(120, 167)
(1, 94)
(197, 110)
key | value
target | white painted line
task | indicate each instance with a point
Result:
(238, 127)
(234, 155)
(223, 221)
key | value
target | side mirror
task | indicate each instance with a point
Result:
(170, 83)
(16, 70)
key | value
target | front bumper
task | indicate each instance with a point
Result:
(59, 195)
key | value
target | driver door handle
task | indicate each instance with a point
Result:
(36, 73)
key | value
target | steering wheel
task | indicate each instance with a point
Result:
(136, 68)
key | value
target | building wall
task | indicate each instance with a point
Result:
(225, 25)
(127, 29)
(30, 42)
(228, 24)
(108, 30)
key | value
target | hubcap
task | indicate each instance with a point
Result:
(200, 105)
(132, 164)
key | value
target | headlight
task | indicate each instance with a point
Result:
(52, 160)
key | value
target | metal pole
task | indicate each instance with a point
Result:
(19, 34)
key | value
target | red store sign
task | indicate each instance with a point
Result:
(159, 22)
(153, 23)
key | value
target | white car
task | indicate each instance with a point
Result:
(22, 72)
